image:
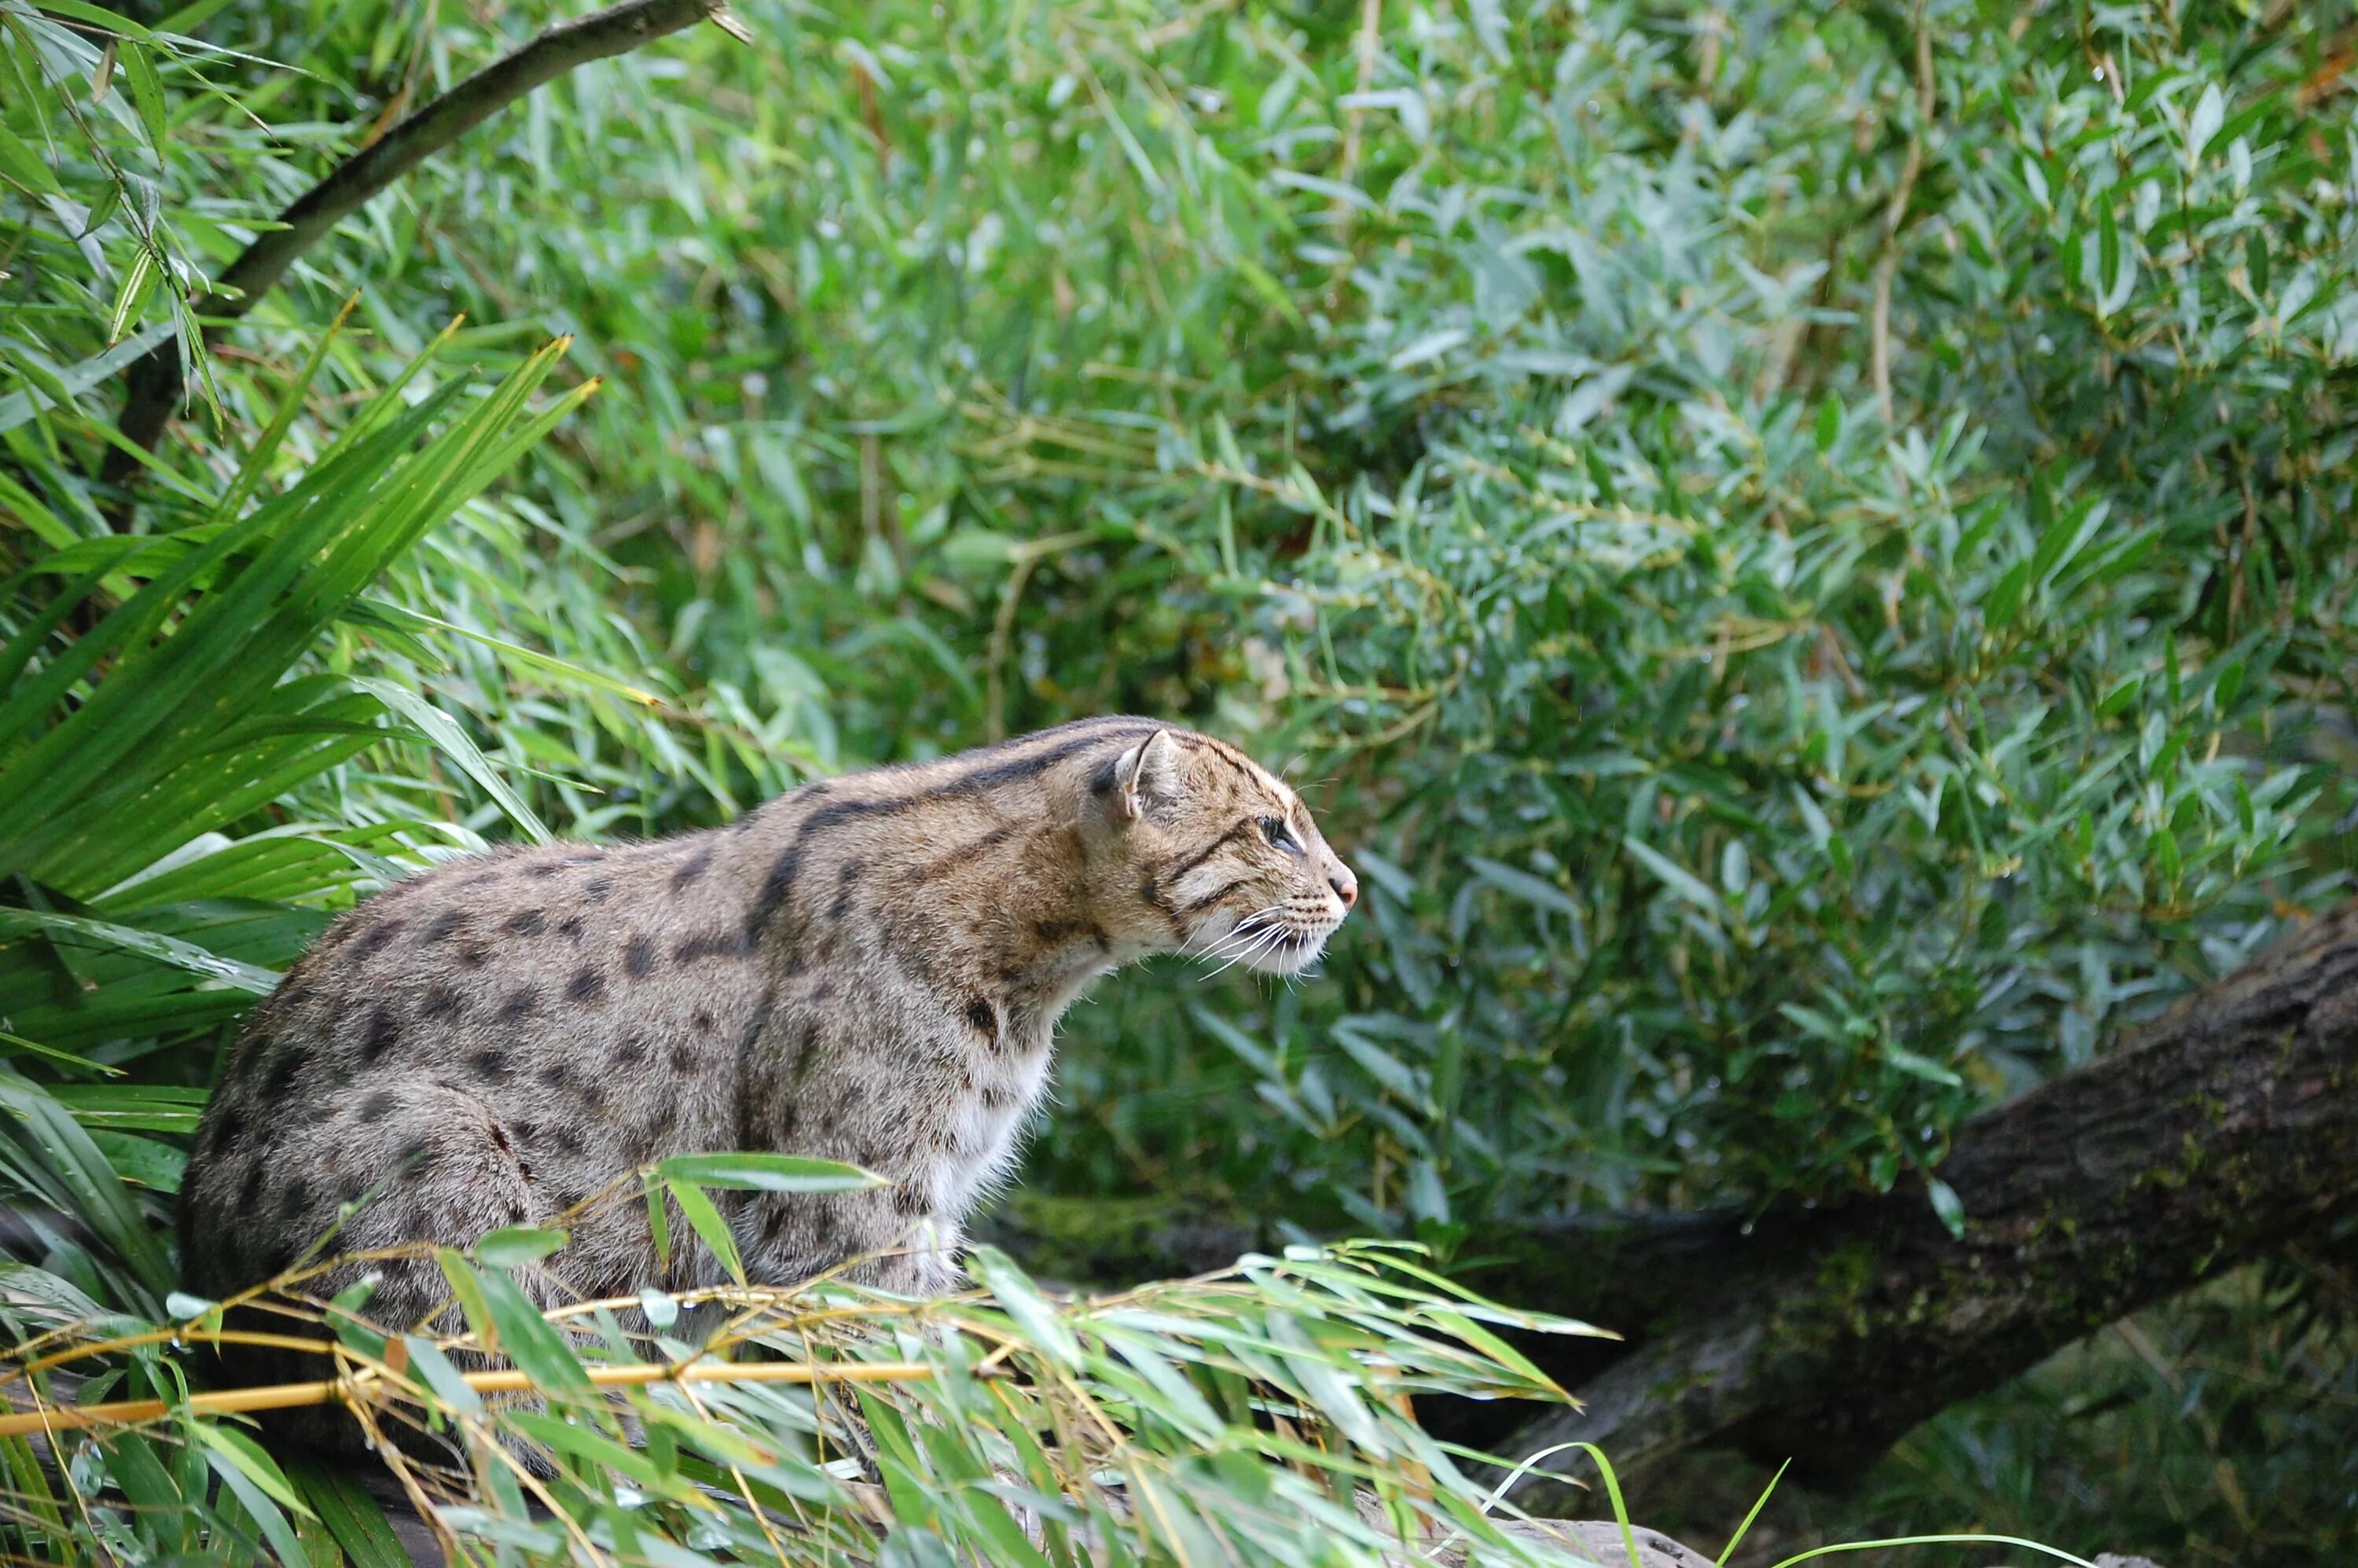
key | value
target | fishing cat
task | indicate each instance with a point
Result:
(869, 968)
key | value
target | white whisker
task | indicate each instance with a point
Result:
(1270, 937)
(1243, 923)
(1220, 946)
(1240, 955)
(1235, 946)
(1242, 929)
(1226, 952)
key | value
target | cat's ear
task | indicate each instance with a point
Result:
(1147, 771)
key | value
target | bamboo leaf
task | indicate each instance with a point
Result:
(83, 932)
(766, 1173)
(706, 1221)
(443, 733)
(1676, 878)
(20, 406)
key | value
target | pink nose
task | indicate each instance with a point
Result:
(1345, 885)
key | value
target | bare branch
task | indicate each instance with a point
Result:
(156, 381)
(2224, 1130)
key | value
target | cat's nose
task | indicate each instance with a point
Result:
(1345, 885)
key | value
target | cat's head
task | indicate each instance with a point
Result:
(1222, 856)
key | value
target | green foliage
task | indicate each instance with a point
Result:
(1758, 759)
(1761, 789)
(2221, 1402)
(2226, 1398)
(1231, 1419)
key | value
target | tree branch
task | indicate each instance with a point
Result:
(2226, 1130)
(2222, 1132)
(156, 381)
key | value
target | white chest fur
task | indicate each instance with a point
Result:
(988, 1139)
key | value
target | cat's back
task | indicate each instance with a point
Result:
(589, 999)
(464, 966)
(480, 951)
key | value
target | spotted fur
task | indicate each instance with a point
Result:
(869, 968)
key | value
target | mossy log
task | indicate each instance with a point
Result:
(2224, 1130)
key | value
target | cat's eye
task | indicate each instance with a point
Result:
(1275, 830)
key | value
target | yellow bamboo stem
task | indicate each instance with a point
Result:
(290, 1396)
(165, 1337)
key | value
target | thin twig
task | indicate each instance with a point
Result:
(502, 1381)
(156, 381)
(1364, 49)
(1886, 264)
(1027, 558)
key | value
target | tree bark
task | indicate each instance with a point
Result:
(155, 383)
(2223, 1132)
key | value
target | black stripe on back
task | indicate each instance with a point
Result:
(1235, 759)
(1031, 764)
(1077, 737)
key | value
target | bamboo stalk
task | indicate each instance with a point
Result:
(340, 1391)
